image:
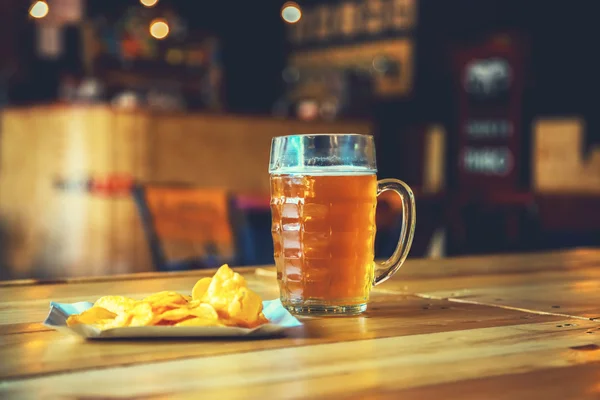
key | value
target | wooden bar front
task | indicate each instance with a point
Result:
(49, 232)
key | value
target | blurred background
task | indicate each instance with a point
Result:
(135, 134)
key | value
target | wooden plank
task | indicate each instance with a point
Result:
(398, 362)
(575, 286)
(186, 148)
(497, 264)
(435, 347)
(561, 283)
(577, 382)
(573, 382)
(573, 293)
(571, 297)
(388, 315)
(56, 233)
(129, 157)
(23, 328)
(138, 276)
(18, 180)
(30, 303)
(460, 283)
(561, 260)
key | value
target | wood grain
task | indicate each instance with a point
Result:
(564, 283)
(334, 368)
(467, 266)
(474, 327)
(57, 234)
(576, 296)
(388, 315)
(12, 329)
(567, 283)
(550, 384)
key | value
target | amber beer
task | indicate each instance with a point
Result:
(323, 233)
(323, 197)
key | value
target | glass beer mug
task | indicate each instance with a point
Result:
(324, 192)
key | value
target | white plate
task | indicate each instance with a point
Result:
(279, 320)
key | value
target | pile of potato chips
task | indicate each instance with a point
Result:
(223, 300)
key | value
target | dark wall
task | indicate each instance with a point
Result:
(562, 78)
(563, 69)
(254, 48)
(252, 34)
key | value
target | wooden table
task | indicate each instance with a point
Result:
(497, 327)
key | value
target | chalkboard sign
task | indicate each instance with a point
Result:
(489, 83)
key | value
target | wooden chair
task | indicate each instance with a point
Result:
(192, 228)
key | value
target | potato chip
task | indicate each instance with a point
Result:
(120, 321)
(205, 311)
(223, 300)
(228, 294)
(223, 288)
(246, 307)
(141, 314)
(162, 299)
(195, 303)
(116, 304)
(91, 316)
(176, 314)
(167, 323)
(193, 310)
(200, 288)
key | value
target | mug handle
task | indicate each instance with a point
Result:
(384, 270)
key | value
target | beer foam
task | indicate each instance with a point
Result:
(335, 170)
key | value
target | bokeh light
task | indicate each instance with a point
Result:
(149, 3)
(159, 28)
(39, 9)
(290, 12)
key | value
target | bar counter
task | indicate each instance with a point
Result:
(71, 232)
(489, 327)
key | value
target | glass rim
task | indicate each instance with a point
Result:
(323, 134)
(320, 151)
